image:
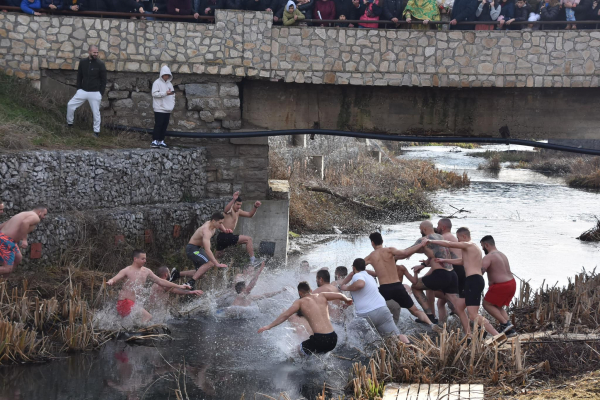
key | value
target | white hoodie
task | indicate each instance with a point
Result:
(160, 100)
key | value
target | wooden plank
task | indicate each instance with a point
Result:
(464, 391)
(423, 392)
(476, 392)
(454, 392)
(413, 392)
(443, 391)
(390, 392)
(403, 392)
(434, 390)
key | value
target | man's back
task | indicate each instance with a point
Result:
(314, 309)
(335, 306)
(499, 268)
(471, 256)
(16, 228)
(383, 262)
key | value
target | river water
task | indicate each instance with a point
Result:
(534, 219)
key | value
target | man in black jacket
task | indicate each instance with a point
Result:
(91, 83)
(463, 10)
(393, 9)
(96, 5)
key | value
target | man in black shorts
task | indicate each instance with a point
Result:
(444, 228)
(313, 307)
(233, 210)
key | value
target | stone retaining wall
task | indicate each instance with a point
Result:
(245, 44)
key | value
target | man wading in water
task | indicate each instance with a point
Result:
(314, 308)
(198, 250)
(137, 275)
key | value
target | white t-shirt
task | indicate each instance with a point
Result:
(368, 298)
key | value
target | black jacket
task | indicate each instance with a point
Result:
(522, 14)
(345, 7)
(95, 5)
(91, 75)
(582, 12)
(234, 4)
(463, 10)
(278, 6)
(200, 5)
(394, 9)
(549, 13)
(160, 4)
(307, 9)
(260, 5)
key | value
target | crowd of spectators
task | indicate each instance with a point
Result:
(294, 12)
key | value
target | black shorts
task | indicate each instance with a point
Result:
(225, 240)
(441, 280)
(320, 343)
(396, 292)
(196, 254)
(474, 286)
(460, 272)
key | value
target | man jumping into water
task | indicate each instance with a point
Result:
(502, 284)
(243, 298)
(233, 211)
(314, 308)
(160, 294)
(15, 231)
(474, 284)
(198, 250)
(383, 260)
(137, 275)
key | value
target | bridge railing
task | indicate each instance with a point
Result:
(317, 22)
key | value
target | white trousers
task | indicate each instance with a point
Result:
(94, 98)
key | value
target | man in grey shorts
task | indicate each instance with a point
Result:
(368, 302)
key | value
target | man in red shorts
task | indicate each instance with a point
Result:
(502, 284)
(14, 232)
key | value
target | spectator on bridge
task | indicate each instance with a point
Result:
(306, 8)
(487, 11)
(163, 102)
(95, 5)
(463, 11)
(158, 6)
(73, 5)
(53, 5)
(91, 83)
(128, 6)
(324, 9)
(234, 4)
(207, 7)
(278, 7)
(393, 10)
(522, 12)
(595, 11)
(370, 10)
(179, 7)
(345, 10)
(422, 10)
(292, 15)
(31, 7)
(549, 11)
(507, 13)
(261, 5)
(581, 10)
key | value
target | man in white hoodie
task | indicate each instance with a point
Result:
(163, 101)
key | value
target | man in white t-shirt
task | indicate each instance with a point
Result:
(368, 302)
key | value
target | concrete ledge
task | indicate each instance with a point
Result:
(255, 141)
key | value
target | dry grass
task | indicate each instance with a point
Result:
(591, 235)
(492, 164)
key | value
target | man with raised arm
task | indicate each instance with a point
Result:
(198, 250)
(324, 284)
(314, 308)
(137, 275)
(233, 211)
(368, 302)
(444, 228)
(383, 260)
(474, 283)
(502, 284)
(15, 231)
(243, 298)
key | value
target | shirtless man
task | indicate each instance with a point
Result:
(314, 308)
(444, 228)
(15, 231)
(137, 275)
(198, 250)
(383, 260)
(324, 285)
(243, 298)
(233, 211)
(160, 294)
(474, 284)
(502, 284)
(340, 273)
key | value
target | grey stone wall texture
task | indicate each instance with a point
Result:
(245, 44)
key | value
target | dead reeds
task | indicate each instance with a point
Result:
(591, 235)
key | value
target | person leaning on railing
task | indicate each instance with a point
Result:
(462, 11)
(31, 7)
(207, 7)
(393, 10)
(507, 13)
(422, 10)
(522, 11)
(345, 10)
(53, 5)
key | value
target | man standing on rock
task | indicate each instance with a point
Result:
(15, 230)
(91, 83)
(163, 102)
(233, 211)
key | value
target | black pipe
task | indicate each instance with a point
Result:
(365, 135)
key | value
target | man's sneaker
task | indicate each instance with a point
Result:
(174, 275)
(155, 145)
(256, 262)
(511, 333)
(96, 134)
(505, 327)
(192, 283)
(163, 145)
(69, 126)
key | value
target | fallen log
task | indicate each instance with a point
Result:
(349, 200)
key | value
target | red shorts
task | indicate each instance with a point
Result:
(500, 294)
(124, 307)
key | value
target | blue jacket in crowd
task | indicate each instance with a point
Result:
(58, 3)
(30, 8)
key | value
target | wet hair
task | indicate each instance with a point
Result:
(463, 231)
(359, 264)
(376, 238)
(162, 271)
(324, 274)
(239, 287)
(137, 252)
(446, 222)
(217, 216)
(488, 239)
(40, 207)
(238, 200)
(303, 261)
(304, 287)
(341, 271)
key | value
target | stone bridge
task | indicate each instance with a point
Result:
(542, 84)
